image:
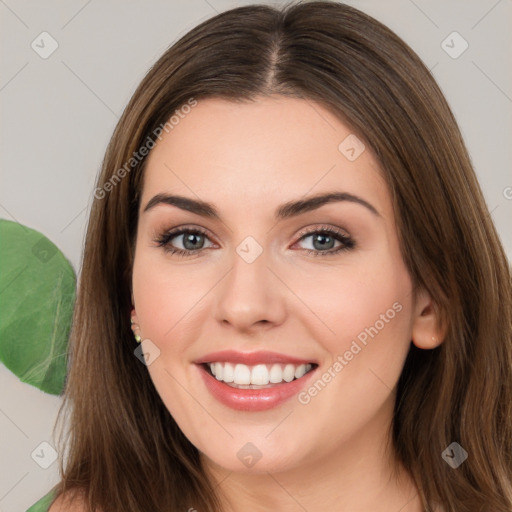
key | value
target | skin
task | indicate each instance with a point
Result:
(247, 159)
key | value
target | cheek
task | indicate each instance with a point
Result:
(166, 297)
(347, 304)
(168, 304)
(363, 320)
(366, 329)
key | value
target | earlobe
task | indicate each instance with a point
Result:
(135, 326)
(427, 332)
(426, 343)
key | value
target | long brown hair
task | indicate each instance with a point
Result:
(123, 450)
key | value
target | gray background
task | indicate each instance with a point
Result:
(57, 115)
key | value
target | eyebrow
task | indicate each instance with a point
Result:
(284, 211)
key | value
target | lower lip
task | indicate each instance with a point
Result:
(253, 399)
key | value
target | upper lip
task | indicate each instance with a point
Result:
(251, 358)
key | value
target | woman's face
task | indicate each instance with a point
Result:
(275, 284)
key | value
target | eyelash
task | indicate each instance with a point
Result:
(347, 242)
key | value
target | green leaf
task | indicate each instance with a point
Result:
(43, 504)
(37, 293)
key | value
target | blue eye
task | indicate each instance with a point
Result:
(324, 240)
(193, 241)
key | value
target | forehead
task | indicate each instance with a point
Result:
(267, 151)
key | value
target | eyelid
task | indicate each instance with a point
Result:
(319, 228)
(179, 230)
(306, 231)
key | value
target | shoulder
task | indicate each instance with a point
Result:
(68, 502)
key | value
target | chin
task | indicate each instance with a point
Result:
(251, 460)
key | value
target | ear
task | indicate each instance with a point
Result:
(427, 331)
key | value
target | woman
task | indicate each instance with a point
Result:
(292, 294)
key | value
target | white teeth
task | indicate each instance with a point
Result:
(276, 374)
(258, 375)
(289, 372)
(219, 371)
(300, 371)
(229, 372)
(242, 374)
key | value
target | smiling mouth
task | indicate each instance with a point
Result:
(259, 376)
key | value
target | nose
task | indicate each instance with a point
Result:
(250, 297)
